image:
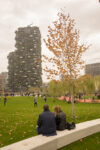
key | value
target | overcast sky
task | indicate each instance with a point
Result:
(20, 13)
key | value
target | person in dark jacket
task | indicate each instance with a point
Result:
(5, 101)
(46, 122)
(60, 117)
(35, 101)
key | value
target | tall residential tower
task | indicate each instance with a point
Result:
(24, 68)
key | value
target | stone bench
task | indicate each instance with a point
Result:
(62, 138)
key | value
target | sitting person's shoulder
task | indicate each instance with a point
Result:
(62, 113)
(51, 113)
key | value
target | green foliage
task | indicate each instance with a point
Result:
(44, 89)
(90, 87)
(53, 88)
(84, 84)
(97, 83)
(58, 88)
(90, 96)
(34, 89)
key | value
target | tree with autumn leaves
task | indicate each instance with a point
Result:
(63, 41)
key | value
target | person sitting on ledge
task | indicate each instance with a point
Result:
(46, 122)
(60, 117)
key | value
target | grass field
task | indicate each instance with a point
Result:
(18, 120)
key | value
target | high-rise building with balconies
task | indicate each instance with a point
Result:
(24, 68)
(3, 82)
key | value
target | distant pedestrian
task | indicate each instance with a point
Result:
(45, 99)
(93, 98)
(38, 94)
(5, 101)
(69, 102)
(35, 101)
(64, 98)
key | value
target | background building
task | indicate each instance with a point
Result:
(24, 68)
(3, 82)
(93, 69)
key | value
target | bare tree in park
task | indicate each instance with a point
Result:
(63, 41)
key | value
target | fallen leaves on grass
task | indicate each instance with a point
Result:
(80, 140)
(98, 142)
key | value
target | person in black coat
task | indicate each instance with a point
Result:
(5, 101)
(60, 117)
(35, 101)
(46, 122)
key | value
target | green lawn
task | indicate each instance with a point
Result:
(18, 120)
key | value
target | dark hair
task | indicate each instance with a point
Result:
(45, 107)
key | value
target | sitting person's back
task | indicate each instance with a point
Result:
(60, 118)
(46, 122)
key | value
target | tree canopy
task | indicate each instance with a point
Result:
(63, 41)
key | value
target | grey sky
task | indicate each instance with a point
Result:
(17, 13)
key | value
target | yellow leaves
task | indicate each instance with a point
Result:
(48, 40)
(80, 140)
(1, 143)
(63, 42)
(45, 57)
(56, 81)
(48, 78)
(10, 132)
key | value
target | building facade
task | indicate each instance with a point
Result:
(24, 68)
(93, 69)
(3, 82)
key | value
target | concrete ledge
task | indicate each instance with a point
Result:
(62, 138)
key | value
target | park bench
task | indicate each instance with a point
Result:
(62, 138)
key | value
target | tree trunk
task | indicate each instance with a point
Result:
(72, 100)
